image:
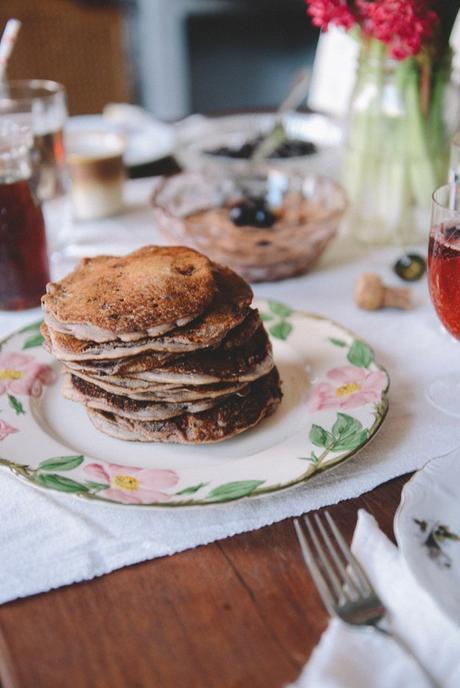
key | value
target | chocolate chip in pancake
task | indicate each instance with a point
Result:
(231, 417)
(146, 293)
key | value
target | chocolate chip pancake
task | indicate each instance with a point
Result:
(157, 359)
(144, 294)
(144, 391)
(228, 312)
(241, 364)
(161, 345)
(231, 417)
(76, 389)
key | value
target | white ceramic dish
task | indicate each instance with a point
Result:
(335, 399)
(427, 529)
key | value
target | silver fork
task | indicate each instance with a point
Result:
(342, 582)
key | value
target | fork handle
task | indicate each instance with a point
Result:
(408, 650)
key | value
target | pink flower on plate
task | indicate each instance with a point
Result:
(6, 429)
(22, 374)
(348, 387)
(133, 485)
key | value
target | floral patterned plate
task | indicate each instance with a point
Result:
(334, 402)
(427, 529)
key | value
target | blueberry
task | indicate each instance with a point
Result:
(264, 217)
(241, 214)
(252, 212)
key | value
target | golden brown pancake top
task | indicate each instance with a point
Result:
(228, 309)
(146, 288)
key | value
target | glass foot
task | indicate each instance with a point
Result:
(444, 394)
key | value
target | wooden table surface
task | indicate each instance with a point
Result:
(239, 613)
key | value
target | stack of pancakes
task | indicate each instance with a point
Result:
(161, 345)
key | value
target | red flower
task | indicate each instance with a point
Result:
(404, 25)
(325, 12)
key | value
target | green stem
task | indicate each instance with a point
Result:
(323, 455)
(421, 169)
(363, 120)
(438, 136)
(25, 471)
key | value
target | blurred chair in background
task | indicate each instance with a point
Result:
(80, 43)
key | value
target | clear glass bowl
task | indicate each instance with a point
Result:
(198, 135)
(194, 210)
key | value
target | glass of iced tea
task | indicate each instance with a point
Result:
(41, 105)
(444, 285)
(23, 256)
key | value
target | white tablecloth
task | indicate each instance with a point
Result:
(48, 539)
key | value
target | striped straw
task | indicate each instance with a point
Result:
(7, 43)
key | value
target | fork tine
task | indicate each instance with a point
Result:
(335, 557)
(320, 581)
(338, 589)
(354, 564)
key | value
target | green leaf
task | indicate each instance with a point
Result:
(351, 442)
(34, 327)
(345, 425)
(59, 482)
(61, 463)
(280, 309)
(337, 342)
(347, 432)
(320, 437)
(233, 490)
(281, 330)
(15, 404)
(191, 490)
(95, 486)
(34, 340)
(266, 316)
(360, 354)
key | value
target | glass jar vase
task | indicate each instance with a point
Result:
(397, 145)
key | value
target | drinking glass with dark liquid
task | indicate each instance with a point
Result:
(23, 255)
(444, 285)
(41, 105)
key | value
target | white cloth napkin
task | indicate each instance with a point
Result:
(48, 539)
(357, 658)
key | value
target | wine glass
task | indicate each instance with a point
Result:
(444, 285)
